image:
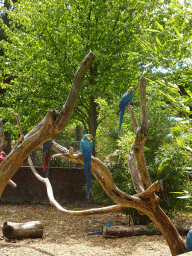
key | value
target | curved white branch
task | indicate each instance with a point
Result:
(113, 208)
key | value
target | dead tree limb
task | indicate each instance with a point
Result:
(113, 208)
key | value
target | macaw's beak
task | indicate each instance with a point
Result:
(90, 137)
(131, 89)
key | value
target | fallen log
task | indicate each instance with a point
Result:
(120, 231)
(32, 229)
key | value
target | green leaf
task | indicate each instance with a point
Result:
(160, 27)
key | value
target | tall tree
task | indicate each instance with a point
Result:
(47, 39)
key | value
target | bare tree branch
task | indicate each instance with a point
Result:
(141, 137)
(104, 177)
(113, 208)
(133, 117)
(135, 175)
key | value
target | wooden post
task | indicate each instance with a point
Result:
(21, 230)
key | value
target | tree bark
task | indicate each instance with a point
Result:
(22, 230)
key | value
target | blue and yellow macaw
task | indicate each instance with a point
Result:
(189, 241)
(86, 148)
(46, 151)
(162, 174)
(101, 230)
(126, 99)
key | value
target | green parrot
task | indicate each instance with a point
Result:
(162, 174)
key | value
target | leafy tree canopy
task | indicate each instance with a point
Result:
(46, 40)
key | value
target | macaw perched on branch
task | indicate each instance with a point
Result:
(162, 174)
(86, 148)
(126, 99)
(46, 152)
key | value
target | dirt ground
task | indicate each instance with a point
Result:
(67, 235)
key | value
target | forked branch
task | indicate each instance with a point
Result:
(104, 177)
(137, 155)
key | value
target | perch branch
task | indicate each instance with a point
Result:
(150, 190)
(12, 184)
(133, 117)
(143, 102)
(52, 200)
(104, 177)
(141, 137)
(135, 175)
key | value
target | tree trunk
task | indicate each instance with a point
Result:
(93, 119)
(21, 230)
(168, 230)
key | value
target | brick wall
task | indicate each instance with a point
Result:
(67, 184)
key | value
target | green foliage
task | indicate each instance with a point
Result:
(178, 179)
(165, 140)
(47, 40)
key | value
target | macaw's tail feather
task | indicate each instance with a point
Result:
(87, 170)
(118, 111)
(46, 150)
(163, 187)
(166, 199)
(46, 162)
(121, 119)
(101, 230)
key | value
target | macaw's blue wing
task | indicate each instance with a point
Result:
(101, 230)
(46, 150)
(87, 170)
(86, 147)
(122, 112)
